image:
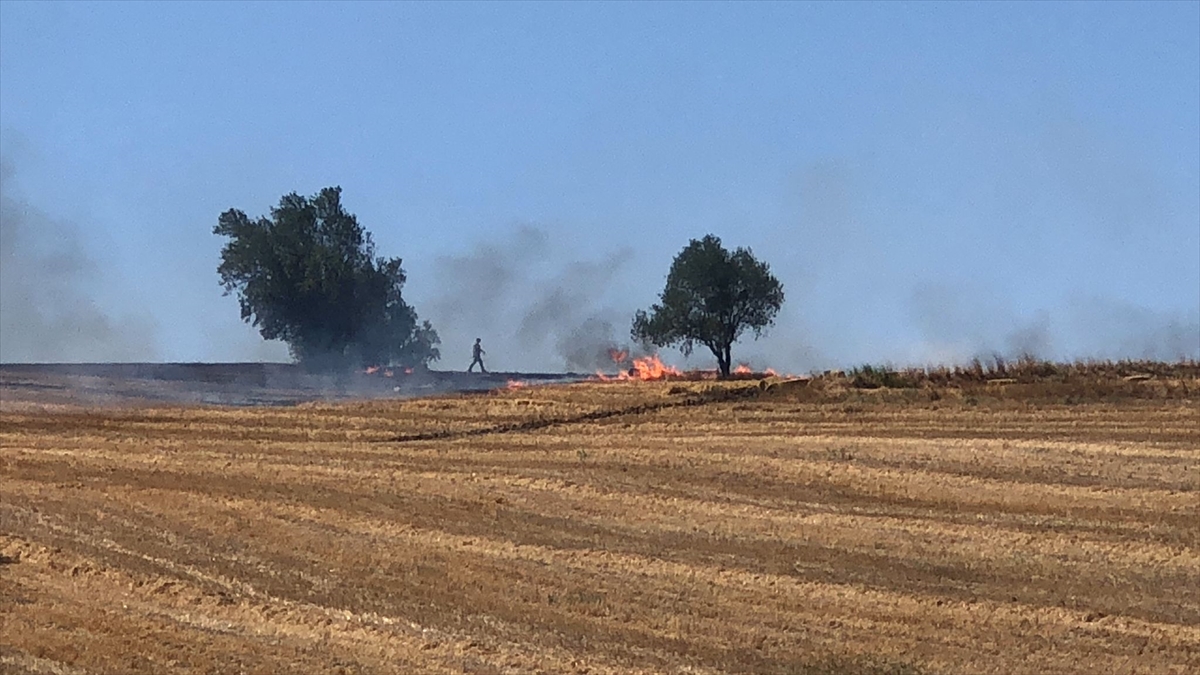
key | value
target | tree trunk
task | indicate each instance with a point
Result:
(722, 354)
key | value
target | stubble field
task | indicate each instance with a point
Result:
(604, 528)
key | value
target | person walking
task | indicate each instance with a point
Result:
(477, 356)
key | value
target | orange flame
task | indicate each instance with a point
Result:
(618, 355)
(516, 384)
(651, 368)
(386, 372)
(742, 369)
(644, 369)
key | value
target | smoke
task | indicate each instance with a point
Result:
(47, 312)
(533, 305)
(537, 305)
(1050, 238)
(588, 346)
(1032, 338)
(959, 323)
(1108, 328)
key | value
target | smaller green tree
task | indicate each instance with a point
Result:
(712, 298)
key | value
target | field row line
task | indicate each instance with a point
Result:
(705, 398)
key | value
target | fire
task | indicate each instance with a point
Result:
(651, 368)
(386, 372)
(618, 355)
(648, 368)
(516, 384)
(745, 369)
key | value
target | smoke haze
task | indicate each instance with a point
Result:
(922, 195)
(541, 305)
(46, 275)
(534, 306)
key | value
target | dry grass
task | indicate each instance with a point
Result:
(631, 528)
(1027, 378)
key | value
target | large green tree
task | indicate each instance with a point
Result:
(308, 276)
(712, 297)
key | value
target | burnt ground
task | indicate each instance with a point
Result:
(237, 384)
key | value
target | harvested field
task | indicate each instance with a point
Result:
(607, 528)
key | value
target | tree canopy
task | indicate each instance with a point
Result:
(308, 275)
(712, 298)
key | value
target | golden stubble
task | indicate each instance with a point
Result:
(604, 529)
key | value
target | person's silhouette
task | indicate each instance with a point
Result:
(477, 357)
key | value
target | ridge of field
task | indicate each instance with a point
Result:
(782, 527)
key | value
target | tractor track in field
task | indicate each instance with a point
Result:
(537, 424)
(752, 528)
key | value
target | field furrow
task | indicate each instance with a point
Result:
(602, 529)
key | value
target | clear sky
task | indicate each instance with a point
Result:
(930, 181)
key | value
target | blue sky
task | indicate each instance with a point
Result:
(930, 181)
